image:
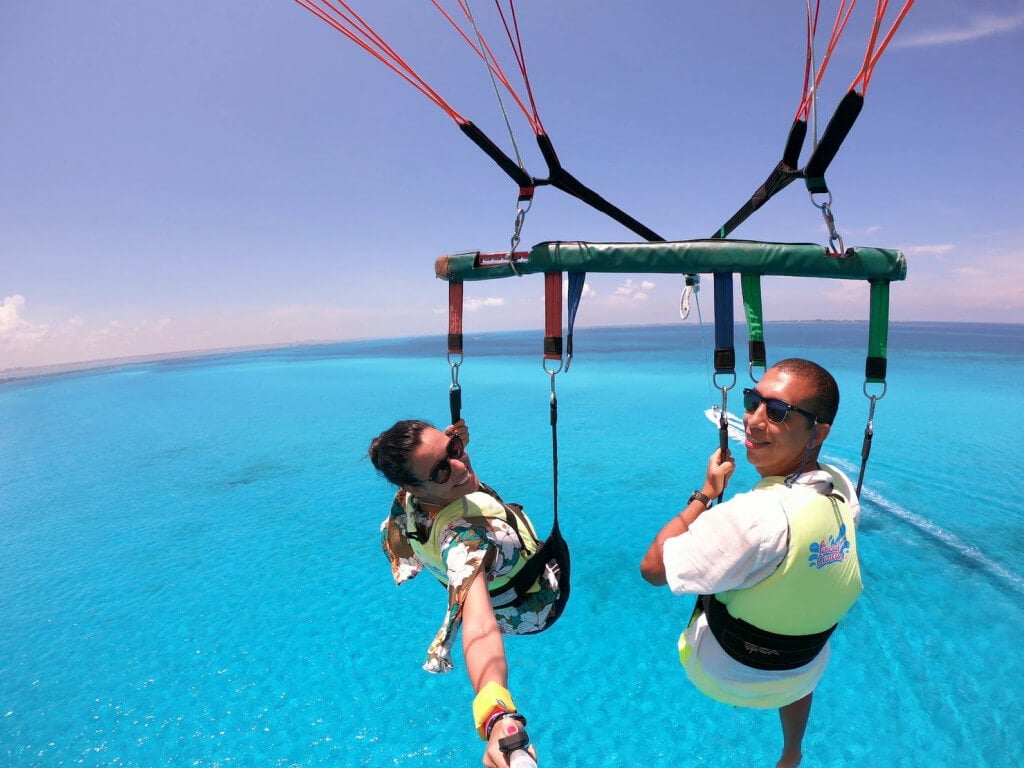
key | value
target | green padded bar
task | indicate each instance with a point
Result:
(683, 257)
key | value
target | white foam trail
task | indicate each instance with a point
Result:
(924, 525)
(929, 528)
(735, 423)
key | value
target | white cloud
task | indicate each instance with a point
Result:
(587, 290)
(630, 287)
(16, 332)
(474, 304)
(635, 290)
(939, 249)
(975, 28)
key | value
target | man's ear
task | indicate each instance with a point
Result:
(818, 434)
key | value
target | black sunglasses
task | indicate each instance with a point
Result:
(776, 410)
(442, 471)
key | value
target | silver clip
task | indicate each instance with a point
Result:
(691, 287)
(833, 235)
(521, 211)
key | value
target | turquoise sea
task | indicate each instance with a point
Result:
(191, 573)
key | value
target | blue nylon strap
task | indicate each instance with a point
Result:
(576, 282)
(725, 351)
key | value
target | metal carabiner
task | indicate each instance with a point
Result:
(455, 370)
(691, 287)
(544, 365)
(869, 435)
(830, 222)
(522, 209)
(874, 398)
(714, 381)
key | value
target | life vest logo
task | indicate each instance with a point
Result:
(828, 552)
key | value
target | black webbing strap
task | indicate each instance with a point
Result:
(554, 547)
(788, 169)
(506, 163)
(759, 648)
(559, 178)
(835, 133)
(782, 174)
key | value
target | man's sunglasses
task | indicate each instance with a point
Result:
(776, 410)
(442, 471)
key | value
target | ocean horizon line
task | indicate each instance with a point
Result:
(21, 373)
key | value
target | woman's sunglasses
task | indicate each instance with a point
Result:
(776, 410)
(442, 470)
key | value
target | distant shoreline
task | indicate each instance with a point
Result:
(31, 372)
(58, 369)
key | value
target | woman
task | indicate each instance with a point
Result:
(484, 551)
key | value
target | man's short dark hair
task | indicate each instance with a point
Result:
(825, 402)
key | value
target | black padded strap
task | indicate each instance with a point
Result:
(759, 648)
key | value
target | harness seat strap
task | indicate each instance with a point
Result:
(757, 647)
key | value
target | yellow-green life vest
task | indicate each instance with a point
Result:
(480, 506)
(819, 579)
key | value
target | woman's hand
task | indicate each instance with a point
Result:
(459, 428)
(494, 757)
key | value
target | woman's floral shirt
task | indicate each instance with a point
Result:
(467, 547)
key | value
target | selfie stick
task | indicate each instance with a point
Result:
(515, 747)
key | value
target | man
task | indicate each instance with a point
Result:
(777, 567)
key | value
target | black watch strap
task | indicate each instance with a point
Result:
(702, 498)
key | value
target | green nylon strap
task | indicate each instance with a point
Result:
(878, 332)
(817, 185)
(751, 288)
(683, 257)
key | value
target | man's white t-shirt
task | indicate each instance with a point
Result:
(733, 546)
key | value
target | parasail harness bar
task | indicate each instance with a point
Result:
(686, 256)
(722, 258)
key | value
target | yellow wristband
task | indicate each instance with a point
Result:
(492, 697)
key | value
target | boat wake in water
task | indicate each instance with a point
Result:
(735, 423)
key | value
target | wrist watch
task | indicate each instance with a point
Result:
(701, 497)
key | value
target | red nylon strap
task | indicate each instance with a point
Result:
(455, 317)
(553, 315)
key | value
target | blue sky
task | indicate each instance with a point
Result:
(205, 174)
